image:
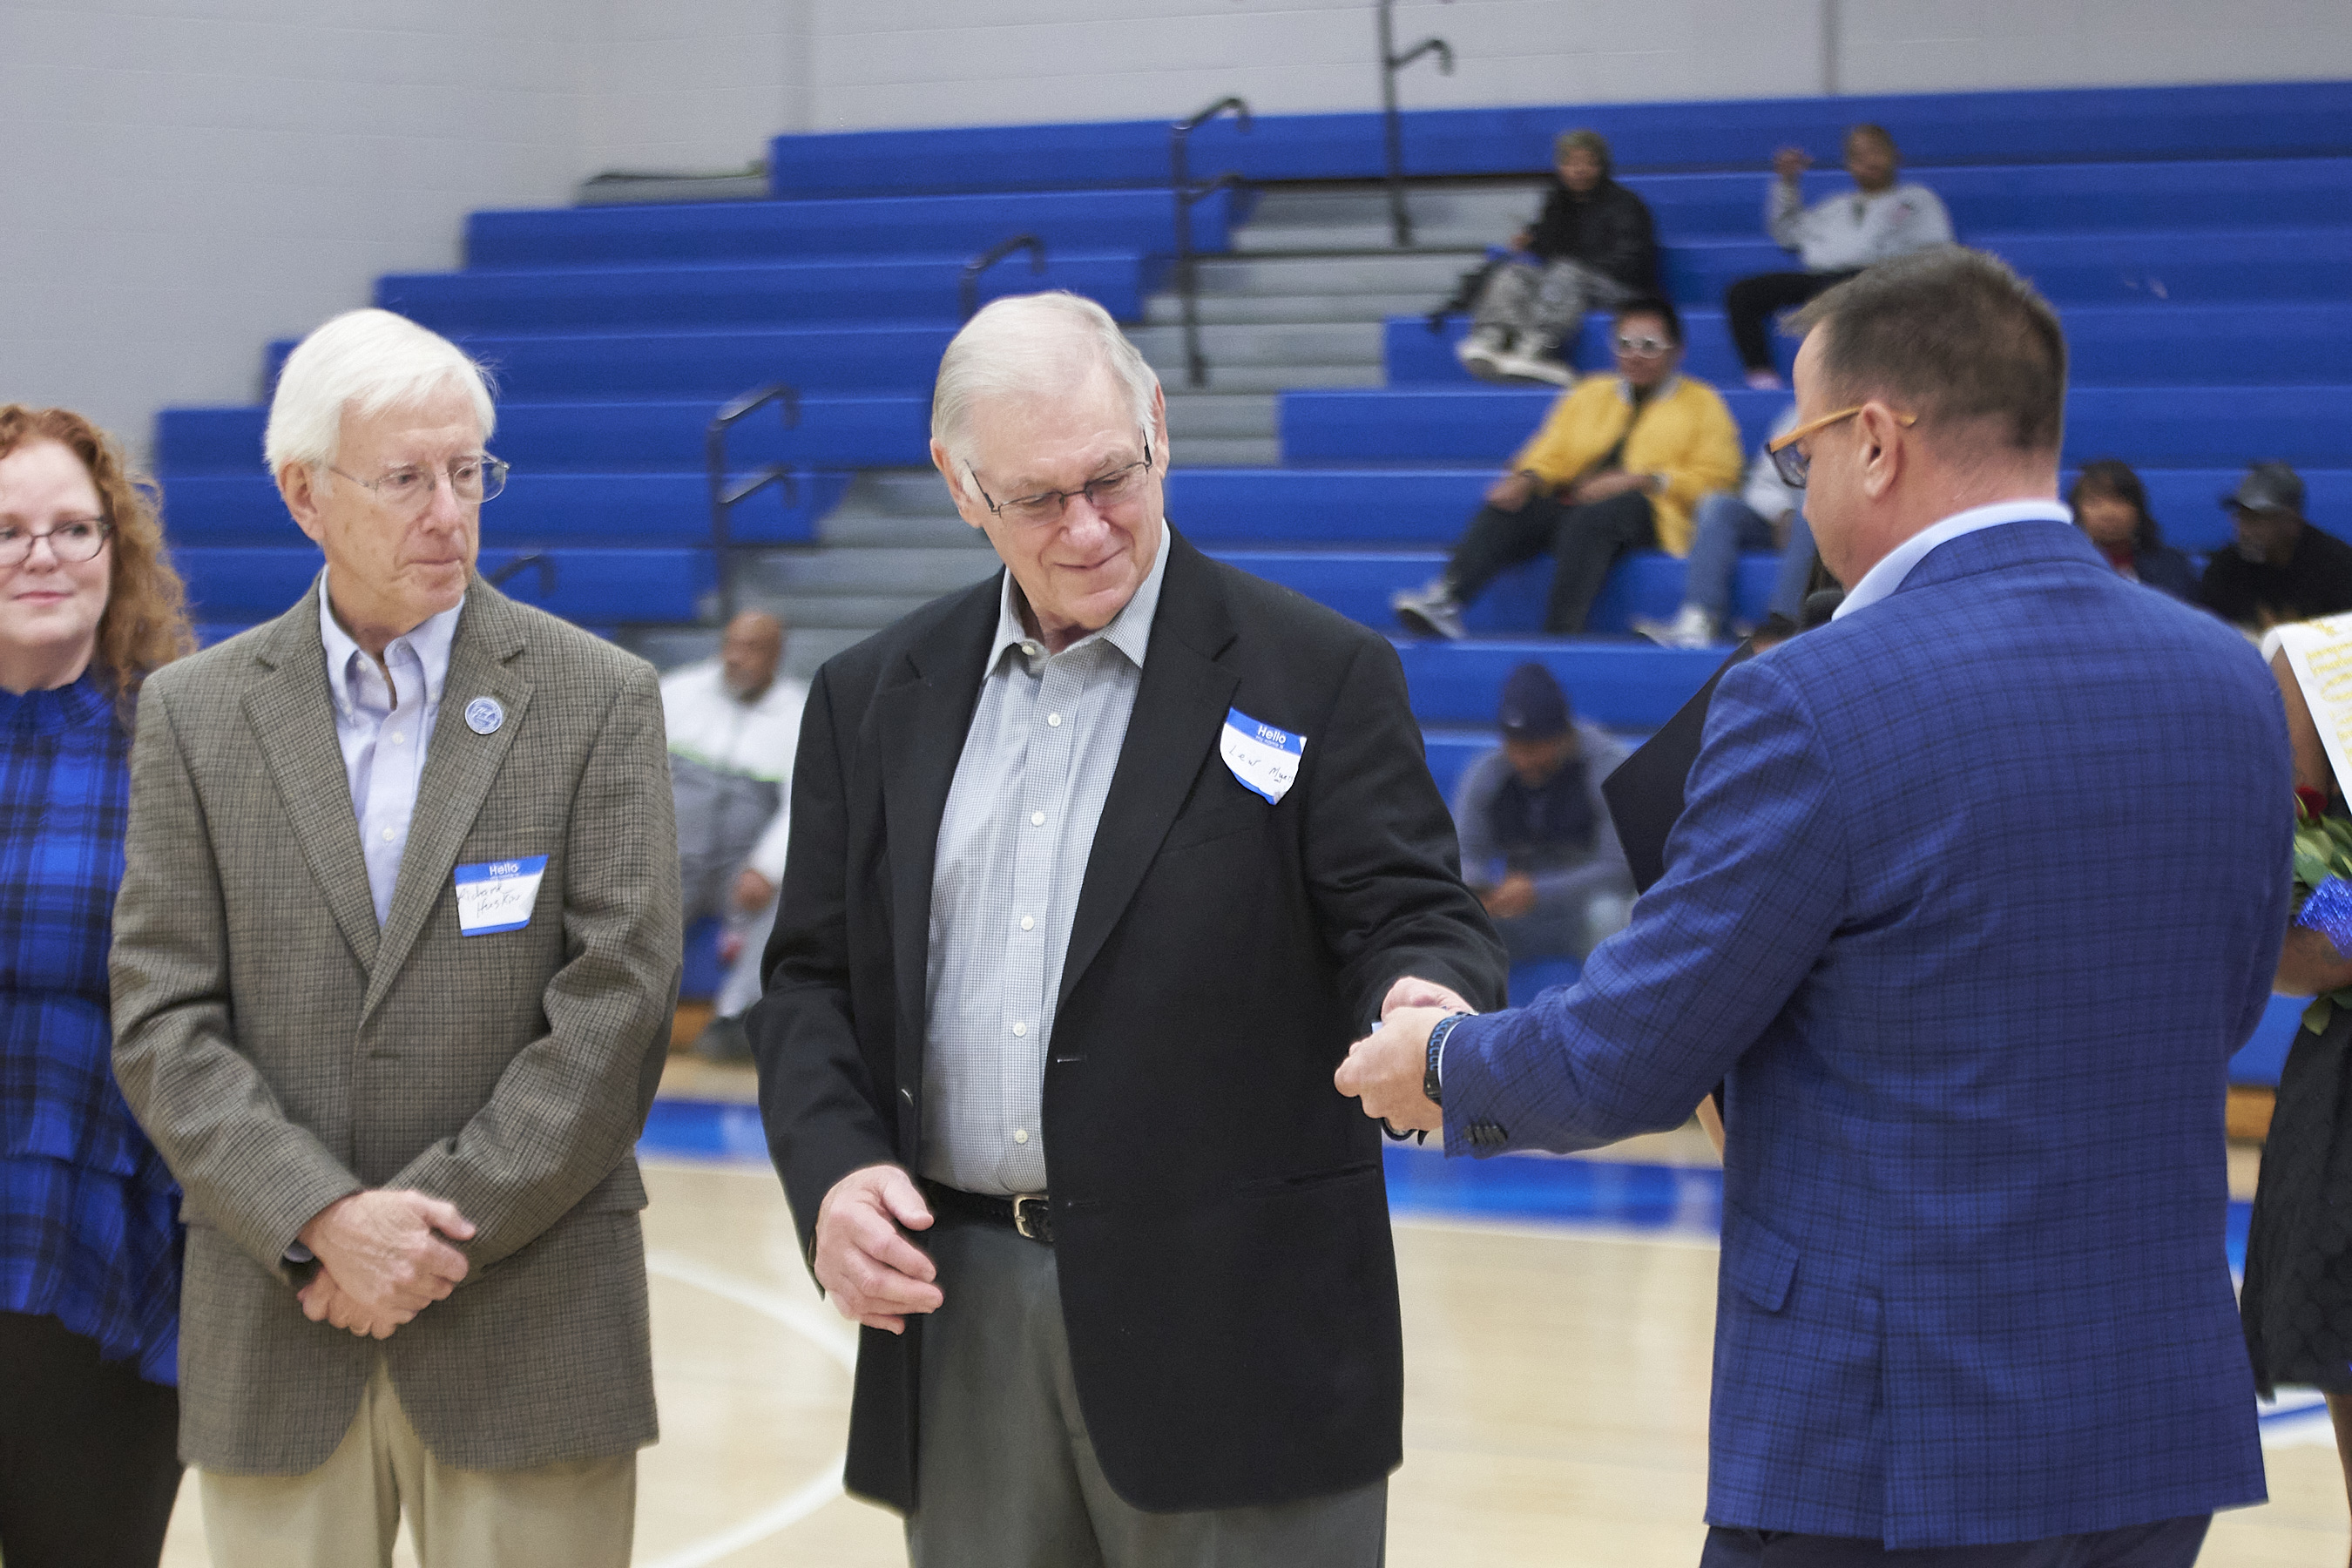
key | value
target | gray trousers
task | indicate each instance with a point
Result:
(1008, 1475)
(1547, 302)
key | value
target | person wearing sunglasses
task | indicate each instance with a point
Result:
(1974, 894)
(1617, 465)
(89, 1220)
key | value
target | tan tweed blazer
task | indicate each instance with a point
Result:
(282, 1051)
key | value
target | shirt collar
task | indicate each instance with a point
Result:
(1130, 631)
(1664, 389)
(1888, 575)
(429, 641)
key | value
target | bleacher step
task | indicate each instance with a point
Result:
(1235, 310)
(1195, 415)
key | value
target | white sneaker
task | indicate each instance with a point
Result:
(1535, 366)
(1482, 349)
(1430, 613)
(1691, 627)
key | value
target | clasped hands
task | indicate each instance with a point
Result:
(383, 1257)
(1384, 1069)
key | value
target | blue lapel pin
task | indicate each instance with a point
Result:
(483, 715)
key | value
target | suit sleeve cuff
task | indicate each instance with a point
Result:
(1474, 1126)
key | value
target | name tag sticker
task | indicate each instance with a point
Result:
(1265, 759)
(497, 895)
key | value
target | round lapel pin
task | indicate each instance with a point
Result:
(483, 715)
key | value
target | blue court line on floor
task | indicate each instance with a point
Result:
(1678, 1200)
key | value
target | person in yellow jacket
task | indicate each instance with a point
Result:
(1618, 465)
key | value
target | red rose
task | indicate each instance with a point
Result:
(2311, 804)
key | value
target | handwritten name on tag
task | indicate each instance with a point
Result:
(499, 895)
(1263, 758)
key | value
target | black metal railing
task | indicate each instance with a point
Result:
(1187, 193)
(968, 286)
(515, 568)
(724, 497)
(1393, 123)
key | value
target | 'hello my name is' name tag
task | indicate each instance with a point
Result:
(497, 895)
(1263, 758)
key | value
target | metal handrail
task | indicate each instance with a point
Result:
(1393, 123)
(968, 286)
(1179, 174)
(539, 558)
(724, 499)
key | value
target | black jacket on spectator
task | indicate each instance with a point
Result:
(2317, 582)
(1609, 230)
(2168, 569)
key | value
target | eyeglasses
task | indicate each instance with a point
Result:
(1793, 462)
(409, 489)
(1115, 489)
(72, 541)
(1642, 348)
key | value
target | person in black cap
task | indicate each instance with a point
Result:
(2280, 567)
(1537, 846)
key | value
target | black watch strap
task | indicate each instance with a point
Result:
(1430, 1082)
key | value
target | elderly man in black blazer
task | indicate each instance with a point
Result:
(1097, 867)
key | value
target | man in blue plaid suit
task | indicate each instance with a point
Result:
(1977, 890)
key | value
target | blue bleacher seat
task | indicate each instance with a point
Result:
(2260, 1060)
(1618, 685)
(230, 584)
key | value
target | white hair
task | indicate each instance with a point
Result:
(1028, 344)
(365, 361)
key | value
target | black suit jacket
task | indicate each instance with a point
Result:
(1221, 1226)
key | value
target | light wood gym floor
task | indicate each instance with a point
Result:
(1555, 1397)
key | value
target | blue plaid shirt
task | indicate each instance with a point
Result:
(89, 1227)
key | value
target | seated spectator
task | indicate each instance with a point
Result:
(1617, 466)
(733, 729)
(1765, 515)
(2111, 506)
(2279, 568)
(1537, 846)
(1834, 238)
(1593, 245)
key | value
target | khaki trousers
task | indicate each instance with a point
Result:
(346, 1513)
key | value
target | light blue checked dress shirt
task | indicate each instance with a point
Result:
(384, 730)
(1010, 860)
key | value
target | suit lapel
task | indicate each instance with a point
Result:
(1179, 708)
(920, 718)
(458, 771)
(293, 719)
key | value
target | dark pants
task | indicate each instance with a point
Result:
(90, 1465)
(1584, 542)
(2174, 1543)
(1752, 303)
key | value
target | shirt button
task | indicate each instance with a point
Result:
(387, 835)
(1054, 721)
(1028, 922)
(1037, 819)
(1019, 1030)
(397, 738)
(1030, 648)
(1021, 1135)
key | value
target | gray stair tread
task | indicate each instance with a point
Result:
(1234, 309)
(1391, 272)
(1226, 452)
(844, 612)
(1493, 209)
(1268, 378)
(873, 531)
(900, 570)
(1288, 343)
(1375, 235)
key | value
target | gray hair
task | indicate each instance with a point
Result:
(1026, 344)
(365, 362)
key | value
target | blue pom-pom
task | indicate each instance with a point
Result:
(2329, 911)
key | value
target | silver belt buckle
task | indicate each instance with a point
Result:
(1031, 1217)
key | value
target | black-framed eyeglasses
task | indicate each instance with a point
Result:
(1111, 491)
(409, 489)
(72, 540)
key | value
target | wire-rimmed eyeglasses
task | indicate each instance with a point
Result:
(409, 488)
(1112, 489)
(72, 540)
(1793, 462)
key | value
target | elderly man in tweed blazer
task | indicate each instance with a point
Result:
(393, 965)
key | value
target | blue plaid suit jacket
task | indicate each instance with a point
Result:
(1976, 891)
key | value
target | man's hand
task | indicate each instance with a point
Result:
(1512, 897)
(1511, 492)
(752, 891)
(324, 1302)
(1412, 991)
(1602, 487)
(1712, 1120)
(1790, 163)
(874, 1275)
(1523, 239)
(387, 1253)
(1385, 1070)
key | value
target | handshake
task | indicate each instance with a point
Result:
(1385, 1069)
(383, 1257)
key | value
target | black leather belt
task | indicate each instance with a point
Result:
(1027, 1213)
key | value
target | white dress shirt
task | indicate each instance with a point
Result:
(383, 729)
(1888, 575)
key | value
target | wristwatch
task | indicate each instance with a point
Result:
(1432, 1082)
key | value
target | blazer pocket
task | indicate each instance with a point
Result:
(1207, 826)
(1303, 1180)
(1757, 1261)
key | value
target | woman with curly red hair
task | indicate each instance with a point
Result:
(90, 1236)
